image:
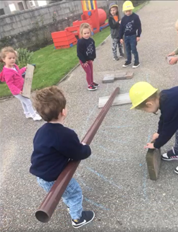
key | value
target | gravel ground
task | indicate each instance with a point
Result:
(114, 179)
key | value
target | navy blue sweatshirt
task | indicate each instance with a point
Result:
(168, 123)
(130, 25)
(54, 146)
(86, 49)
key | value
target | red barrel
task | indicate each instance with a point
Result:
(102, 16)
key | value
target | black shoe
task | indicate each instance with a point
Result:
(116, 58)
(127, 63)
(87, 216)
(136, 65)
(95, 84)
(92, 88)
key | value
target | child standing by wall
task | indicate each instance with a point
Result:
(174, 60)
(131, 30)
(114, 23)
(86, 53)
(54, 146)
(12, 75)
(147, 98)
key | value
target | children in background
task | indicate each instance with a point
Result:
(86, 54)
(54, 146)
(114, 23)
(147, 98)
(12, 75)
(174, 60)
(131, 30)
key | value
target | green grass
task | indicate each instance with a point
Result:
(52, 64)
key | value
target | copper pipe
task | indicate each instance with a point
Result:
(51, 200)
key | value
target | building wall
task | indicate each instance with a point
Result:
(33, 28)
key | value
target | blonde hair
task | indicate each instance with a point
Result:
(4, 52)
(84, 26)
(176, 25)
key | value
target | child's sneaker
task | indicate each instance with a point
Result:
(28, 116)
(95, 84)
(37, 117)
(126, 64)
(136, 65)
(87, 216)
(116, 58)
(121, 55)
(92, 88)
(169, 156)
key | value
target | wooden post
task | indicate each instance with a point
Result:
(26, 92)
(51, 200)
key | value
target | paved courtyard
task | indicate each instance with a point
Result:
(114, 179)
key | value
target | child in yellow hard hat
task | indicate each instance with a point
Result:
(131, 30)
(173, 60)
(147, 98)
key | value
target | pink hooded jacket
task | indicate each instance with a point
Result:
(13, 79)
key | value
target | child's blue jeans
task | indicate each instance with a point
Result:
(131, 45)
(72, 196)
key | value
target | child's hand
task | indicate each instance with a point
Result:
(138, 39)
(85, 64)
(155, 136)
(171, 54)
(173, 60)
(121, 41)
(120, 21)
(150, 145)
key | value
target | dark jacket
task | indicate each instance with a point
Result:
(54, 145)
(168, 123)
(130, 25)
(86, 49)
(115, 27)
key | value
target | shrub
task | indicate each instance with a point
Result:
(24, 57)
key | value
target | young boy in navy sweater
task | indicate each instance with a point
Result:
(147, 98)
(54, 146)
(131, 29)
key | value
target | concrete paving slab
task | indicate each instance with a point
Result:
(121, 99)
(153, 159)
(111, 76)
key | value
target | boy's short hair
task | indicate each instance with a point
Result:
(143, 104)
(49, 102)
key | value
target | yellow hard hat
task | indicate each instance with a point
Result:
(127, 6)
(139, 92)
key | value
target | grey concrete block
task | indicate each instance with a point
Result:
(117, 75)
(28, 81)
(153, 159)
(121, 99)
(108, 78)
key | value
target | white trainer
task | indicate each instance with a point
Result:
(37, 117)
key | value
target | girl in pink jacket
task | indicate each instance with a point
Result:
(12, 75)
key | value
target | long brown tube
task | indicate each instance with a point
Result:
(51, 200)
